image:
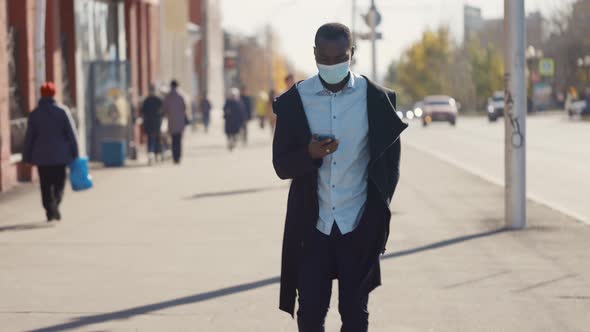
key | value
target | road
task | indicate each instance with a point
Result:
(197, 248)
(558, 156)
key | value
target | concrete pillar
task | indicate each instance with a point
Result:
(7, 170)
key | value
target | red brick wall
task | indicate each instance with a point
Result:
(7, 171)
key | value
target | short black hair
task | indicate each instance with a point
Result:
(333, 31)
(174, 84)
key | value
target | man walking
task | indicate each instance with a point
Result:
(151, 112)
(337, 138)
(175, 109)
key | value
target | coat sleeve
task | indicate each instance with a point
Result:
(30, 137)
(290, 159)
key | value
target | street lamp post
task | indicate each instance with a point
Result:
(515, 114)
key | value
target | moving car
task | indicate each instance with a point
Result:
(495, 107)
(439, 108)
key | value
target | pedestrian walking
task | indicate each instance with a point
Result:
(289, 81)
(234, 114)
(262, 108)
(337, 138)
(50, 144)
(152, 112)
(247, 102)
(205, 109)
(270, 115)
(175, 109)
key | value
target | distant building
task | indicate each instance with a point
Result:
(472, 22)
(490, 32)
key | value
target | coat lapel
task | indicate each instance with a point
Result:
(384, 124)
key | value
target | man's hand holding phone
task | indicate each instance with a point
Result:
(322, 145)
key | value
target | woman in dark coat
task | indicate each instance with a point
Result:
(50, 144)
(234, 114)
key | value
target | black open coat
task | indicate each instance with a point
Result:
(291, 160)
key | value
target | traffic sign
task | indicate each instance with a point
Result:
(547, 67)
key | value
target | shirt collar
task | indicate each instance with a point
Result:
(320, 90)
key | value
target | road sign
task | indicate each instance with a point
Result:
(377, 14)
(367, 35)
(547, 67)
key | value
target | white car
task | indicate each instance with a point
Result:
(439, 108)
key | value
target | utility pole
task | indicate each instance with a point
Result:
(515, 114)
(373, 26)
(353, 25)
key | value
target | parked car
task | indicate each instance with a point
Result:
(495, 107)
(439, 108)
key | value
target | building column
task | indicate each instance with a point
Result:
(132, 52)
(53, 51)
(154, 42)
(68, 28)
(22, 18)
(142, 47)
(7, 170)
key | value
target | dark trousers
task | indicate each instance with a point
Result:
(176, 147)
(53, 181)
(325, 258)
(153, 143)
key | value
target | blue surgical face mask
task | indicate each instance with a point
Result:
(334, 74)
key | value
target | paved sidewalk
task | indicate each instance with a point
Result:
(197, 248)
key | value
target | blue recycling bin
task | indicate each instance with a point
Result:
(113, 153)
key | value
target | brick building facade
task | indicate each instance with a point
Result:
(66, 31)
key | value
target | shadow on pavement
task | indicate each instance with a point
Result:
(444, 243)
(26, 227)
(127, 313)
(142, 310)
(235, 192)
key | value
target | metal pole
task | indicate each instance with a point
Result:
(373, 21)
(353, 25)
(515, 117)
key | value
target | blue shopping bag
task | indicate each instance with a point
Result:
(79, 177)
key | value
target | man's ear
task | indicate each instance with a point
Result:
(352, 49)
(315, 52)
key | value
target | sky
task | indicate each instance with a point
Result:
(296, 21)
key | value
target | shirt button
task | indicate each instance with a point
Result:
(334, 163)
(334, 117)
(333, 186)
(333, 208)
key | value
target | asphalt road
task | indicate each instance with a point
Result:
(558, 156)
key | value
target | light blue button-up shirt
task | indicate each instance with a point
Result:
(342, 181)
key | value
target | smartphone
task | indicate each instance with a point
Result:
(323, 137)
